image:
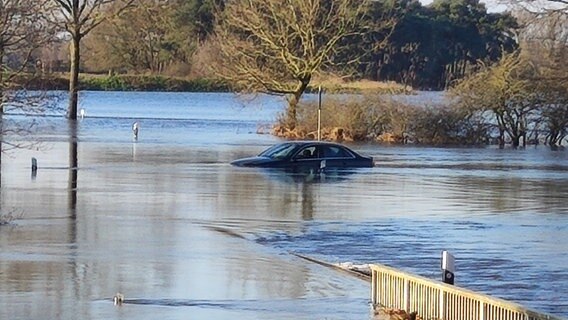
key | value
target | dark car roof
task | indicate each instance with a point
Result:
(306, 142)
(301, 143)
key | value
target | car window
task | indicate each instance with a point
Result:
(280, 151)
(336, 152)
(307, 153)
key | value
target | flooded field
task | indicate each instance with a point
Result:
(166, 221)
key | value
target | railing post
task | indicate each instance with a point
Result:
(374, 288)
(442, 306)
(481, 310)
(406, 301)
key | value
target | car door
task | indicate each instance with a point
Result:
(306, 158)
(335, 156)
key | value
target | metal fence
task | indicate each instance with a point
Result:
(436, 300)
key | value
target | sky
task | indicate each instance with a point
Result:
(492, 5)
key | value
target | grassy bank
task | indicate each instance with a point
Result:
(337, 85)
(123, 83)
(149, 83)
(96, 82)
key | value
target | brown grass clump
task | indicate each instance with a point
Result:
(335, 84)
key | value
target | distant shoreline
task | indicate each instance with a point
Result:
(93, 82)
(157, 83)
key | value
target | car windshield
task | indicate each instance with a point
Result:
(279, 151)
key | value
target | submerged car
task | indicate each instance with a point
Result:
(307, 154)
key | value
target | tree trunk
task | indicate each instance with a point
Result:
(515, 141)
(291, 113)
(501, 138)
(1, 82)
(73, 167)
(1, 111)
(74, 77)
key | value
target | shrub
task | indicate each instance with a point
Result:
(444, 125)
(356, 117)
(383, 118)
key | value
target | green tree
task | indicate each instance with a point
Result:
(435, 45)
(198, 16)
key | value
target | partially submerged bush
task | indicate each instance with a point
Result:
(383, 118)
(349, 117)
(444, 125)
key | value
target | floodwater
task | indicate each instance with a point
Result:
(166, 221)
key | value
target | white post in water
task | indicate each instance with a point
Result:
(319, 113)
(448, 267)
(135, 130)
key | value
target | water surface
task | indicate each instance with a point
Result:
(169, 223)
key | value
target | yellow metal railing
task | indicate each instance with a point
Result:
(391, 288)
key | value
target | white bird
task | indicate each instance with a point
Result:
(135, 130)
(83, 113)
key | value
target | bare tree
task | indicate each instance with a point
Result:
(277, 46)
(79, 17)
(544, 40)
(145, 38)
(23, 29)
(506, 90)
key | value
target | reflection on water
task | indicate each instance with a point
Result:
(106, 214)
(73, 169)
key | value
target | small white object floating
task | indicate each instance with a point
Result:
(83, 113)
(118, 299)
(135, 129)
(361, 268)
